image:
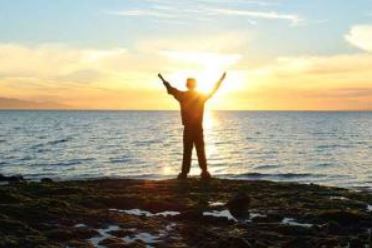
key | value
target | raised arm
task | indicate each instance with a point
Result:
(171, 90)
(165, 82)
(217, 85)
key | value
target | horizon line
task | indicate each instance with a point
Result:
(175, 110)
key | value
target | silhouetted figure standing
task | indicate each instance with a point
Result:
(192, 111)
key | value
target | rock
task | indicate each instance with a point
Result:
(190, 215)
(46, 180)
(220, 220)
(122, 233)
(135, 244)
(333, 228)
(294, 230)
(65, 234)
(239, 243)
(356, 243)
(326, 242)
(299, 242)
(239, 205)
(342, 217)
(38, 214)
(16, 179)
(80, 244)
(269, 218)
(14, 227)
(13, 179)
(112, 242)
(60, 234)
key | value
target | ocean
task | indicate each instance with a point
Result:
(330, 148)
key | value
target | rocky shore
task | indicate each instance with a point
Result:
(190, 213)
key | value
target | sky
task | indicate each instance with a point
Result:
(105, 54)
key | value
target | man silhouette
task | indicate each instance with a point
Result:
(192, 111)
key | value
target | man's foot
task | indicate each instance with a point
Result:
(182, 176)
(205, 175)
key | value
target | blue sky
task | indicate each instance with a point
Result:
(93, 22)
(110, 48)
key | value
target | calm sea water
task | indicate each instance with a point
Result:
(333, 148)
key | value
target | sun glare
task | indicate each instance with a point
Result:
(210, 67)
(235, 80)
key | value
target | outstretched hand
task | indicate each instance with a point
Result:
(161, 77)
(223, 76)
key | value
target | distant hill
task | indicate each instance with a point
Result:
(12, 103)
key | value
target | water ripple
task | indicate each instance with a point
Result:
(325, 147)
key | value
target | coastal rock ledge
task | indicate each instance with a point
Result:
(190, 213)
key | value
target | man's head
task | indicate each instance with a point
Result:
(191, 83)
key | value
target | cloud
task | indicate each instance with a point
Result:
(125, 78)
(47, 61)
(361, 37)
(322, 65)
(346, 93)
(216, 61)
(227, 42)
(270, 15)
(253, 2)
(160, 13)
(202, 10)
(85, 77)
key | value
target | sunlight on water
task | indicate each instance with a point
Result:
(324, 147)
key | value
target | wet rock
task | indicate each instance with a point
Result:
(238, 205)
(294, 230)
(356, 243)
(136, 244)
(220, 220)
(111, 242)
(11, 179)
(269, 218)
(299, 242)
(80, 244)
(235, 242)
(334, 228)
(46, 214)
(66, 234)
(15, 227)
(122, 233)
(326, 242)
(46, 180)
(344, 217)
(190, 215)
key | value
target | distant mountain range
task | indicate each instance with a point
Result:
(12, 103)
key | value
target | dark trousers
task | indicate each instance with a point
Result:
(193, 136)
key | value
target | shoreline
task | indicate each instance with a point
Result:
(190, 213)
(249, 177)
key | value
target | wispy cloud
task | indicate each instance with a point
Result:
(227, 42)
(259, 14)
(208, 9)
(161, 13)
(252, 2)
(260, 3)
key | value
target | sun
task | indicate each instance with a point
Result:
(206, 80)
(207, 69)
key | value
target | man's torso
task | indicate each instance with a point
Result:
(192, 108)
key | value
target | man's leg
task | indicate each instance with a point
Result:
(187, 150)
(199, 145)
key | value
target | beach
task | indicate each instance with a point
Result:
(186, 213)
